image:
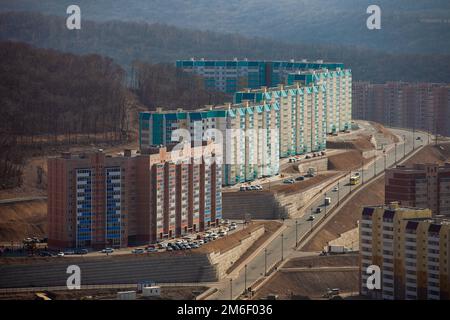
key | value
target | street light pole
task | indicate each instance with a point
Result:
(350, 182)
(231, 289)
(265, 261)
(282, 253)
(395, 153)
(375, 167)
(325, 204)
(296, 233)
(245, 279)
(404, 146)
(362, 172)
(339, 190)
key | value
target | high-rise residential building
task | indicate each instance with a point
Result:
(249, 134)
(412, 250)
(95, 200)
(262, 126)
(420, 185)
(337, 96)
(234, 75)
(421, 106)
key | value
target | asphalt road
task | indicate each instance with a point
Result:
(284, 245)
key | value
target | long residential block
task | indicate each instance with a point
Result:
(95, 200)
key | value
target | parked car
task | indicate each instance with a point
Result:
(69, 252)
(139, 251)
(60, 254)
(289, 181)
(308, 157)
(318, 210)
(162, 245)
(222, 234)
(243, 189)
(253, 188)
(310, 218)
(323, 153)
(195, 246)
(200, 242)
(108, 250)
(169, 249)
(300, 178)
(335, 189)
(151, 249)
(81, 251)
(259, 187)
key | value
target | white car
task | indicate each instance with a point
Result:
(60, 254)
(335, 189)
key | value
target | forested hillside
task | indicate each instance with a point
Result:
(417, 26)
(127, 42)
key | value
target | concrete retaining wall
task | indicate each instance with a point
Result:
(223, 261)
(265, 204)
(111, 270)
(171, 268)
(318, 165)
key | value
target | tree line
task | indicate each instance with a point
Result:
(126, 42)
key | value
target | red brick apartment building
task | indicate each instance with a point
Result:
(96, 200)
(421, 186)
(423, 106)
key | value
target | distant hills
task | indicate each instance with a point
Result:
(408, 26)
(126, 42)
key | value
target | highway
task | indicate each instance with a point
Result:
(284, 245)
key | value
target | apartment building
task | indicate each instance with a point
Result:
(262, 126)
(248, 142)
(420, 185)
(233, 75)
(422, 106)
(335, 98)
(338, 86)
(95, 200)
(412, 250)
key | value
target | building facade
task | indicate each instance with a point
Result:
(95, 200)
(421, 106)
(231, 76)
(412, 250)
(421, 185)
(262, 126)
